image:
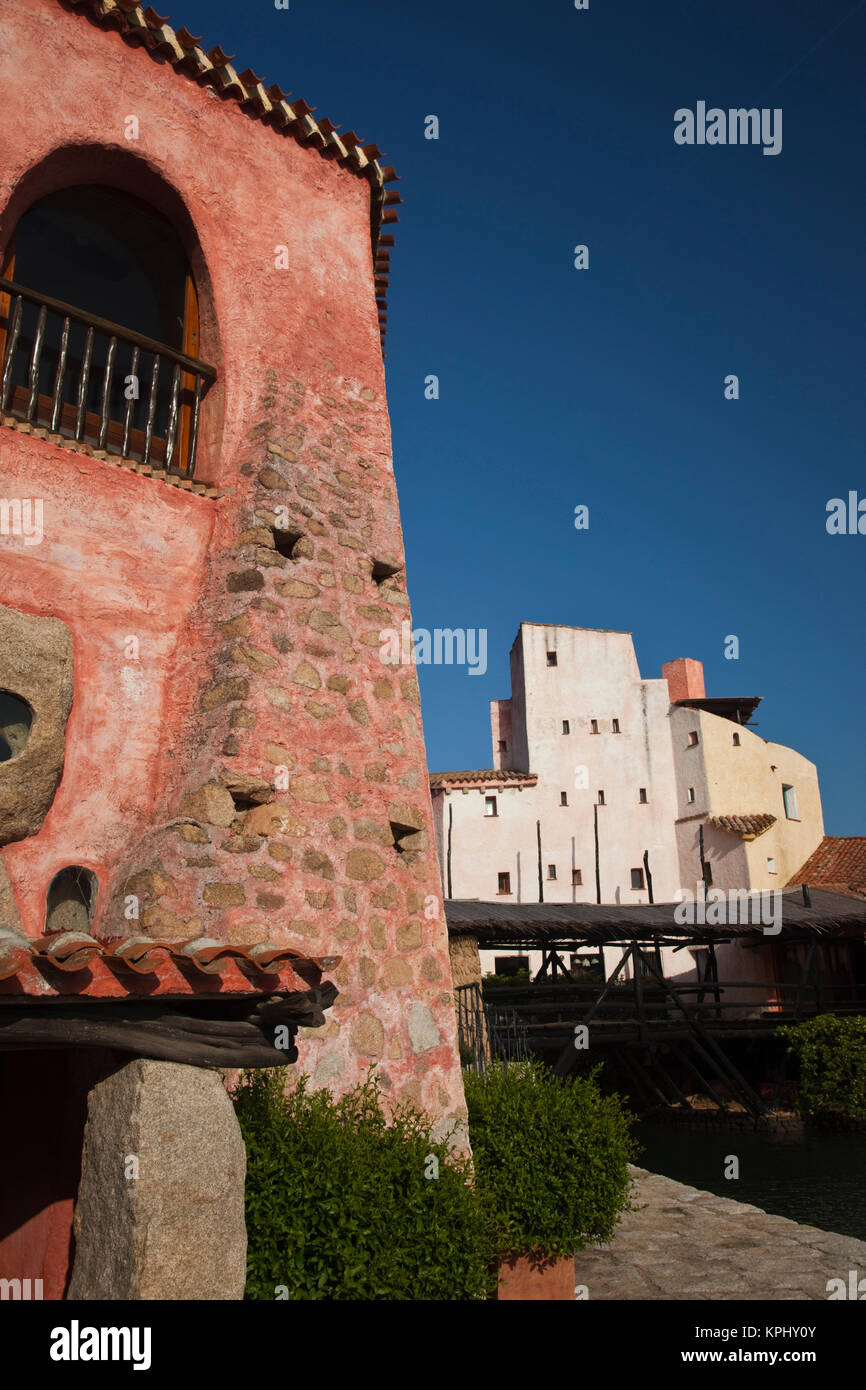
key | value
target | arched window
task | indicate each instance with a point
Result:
(99, 327)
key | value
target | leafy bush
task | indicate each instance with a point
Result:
(338, 1205)
(832, 1056)
(520, 977)
(551, 1158)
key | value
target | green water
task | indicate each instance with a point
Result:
(816, 1178)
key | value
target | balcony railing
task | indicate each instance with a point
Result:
(109, 386)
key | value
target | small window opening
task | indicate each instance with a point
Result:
(576, 878)
(691, 793)
(402, 835)
(490, 806)
(771, 866)
(510, 965)
(563, 798)
(551, 658)
(601, 798)
(736, 740)
(16, 717)
(71, 900)
(789, 797)
(385, 569)
(503, 746)
(693, 737)
(593, 726)
(616, 726)
(505, 883)
(642, 796)
(285, 540)
(551, 871)
(566, 727)
(637, 879)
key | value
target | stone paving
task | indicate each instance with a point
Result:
(687, 1244)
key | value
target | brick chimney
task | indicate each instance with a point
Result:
(685, 678)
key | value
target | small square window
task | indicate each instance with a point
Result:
(736, 740)
(789, 797)
(551, 658)
(641, 796)
(503, 746)
(637, 879)
(566, 727)
(693, 738)
(771, 866)
(616, 726)
(490, 806)
(563, 798)
(593, 726)
(691, 793)
(505, 883)
(601, 798)
(576, 878)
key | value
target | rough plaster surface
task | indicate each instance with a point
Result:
(176, 1230)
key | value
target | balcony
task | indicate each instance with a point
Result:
(90, 380)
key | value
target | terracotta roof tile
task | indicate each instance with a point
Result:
(746, 825)
(483, 777)
(146, 29)
(45, 965)
(839, 860)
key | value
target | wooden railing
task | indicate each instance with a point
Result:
(95, 370)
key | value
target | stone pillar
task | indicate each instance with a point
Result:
(160, 1209)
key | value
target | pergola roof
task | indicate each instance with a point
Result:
(543, 924)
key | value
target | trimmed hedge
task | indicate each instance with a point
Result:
(341, 1203)
(832, 1057)
(551, 1158)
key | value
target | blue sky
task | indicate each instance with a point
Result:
(606, 386)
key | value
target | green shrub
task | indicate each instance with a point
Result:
(338, 1205)
(551, 1158)
(832, 1056)
(520, 977)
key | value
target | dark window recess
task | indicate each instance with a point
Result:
(99, 327)
(593, 726)
(642, 796)
(693, 738)
(16, 717)
(637, 878)
(505, 883)
(576, 877)
(563, 798)
(736, 740)
(503, 746)
(616, 726)
(566, 727)
(510, 965)
(71, 900)
(285, 540)
(385, 569)
(551, 658)
(403, 835)
(601, 798)
(551, 871)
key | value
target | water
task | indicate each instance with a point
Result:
(816, 1178)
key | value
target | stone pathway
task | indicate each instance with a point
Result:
(688, 1244)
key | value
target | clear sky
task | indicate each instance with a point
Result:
(605, 386)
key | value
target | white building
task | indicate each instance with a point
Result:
(608, 787)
